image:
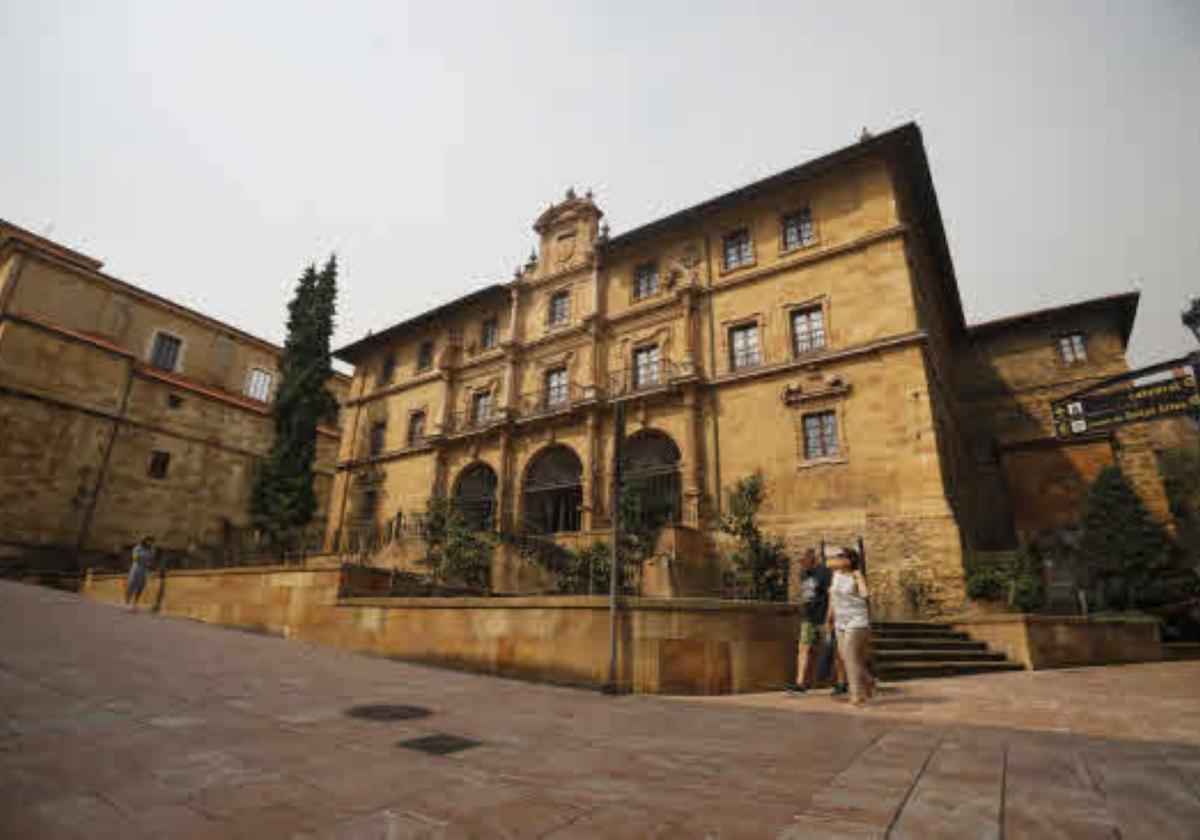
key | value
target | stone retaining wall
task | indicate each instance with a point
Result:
(1048, 641)
(678, 646)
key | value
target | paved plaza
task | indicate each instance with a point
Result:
(115, 724)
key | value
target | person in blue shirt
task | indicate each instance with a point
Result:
(814, 600)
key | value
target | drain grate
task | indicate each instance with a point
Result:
(439, 744)
(388, 711)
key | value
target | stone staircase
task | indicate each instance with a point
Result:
(911, 649)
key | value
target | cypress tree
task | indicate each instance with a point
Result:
(1121, 543)
(283, 500)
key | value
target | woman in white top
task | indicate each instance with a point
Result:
(849, 615)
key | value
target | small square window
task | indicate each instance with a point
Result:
(490, 334)
(560, 308)
(425, 356)
(378, 437)
(174, 401)
(160, 462)
(737, 249)
(808, 330)
(798, 231)
(1072, 349)
(387, 370)
(258, 384)
(557, 388)
(416, 427)
(645, 281)
(645, 367)
(165, 352)
(481, 406)
(820, 435)
(743, 347)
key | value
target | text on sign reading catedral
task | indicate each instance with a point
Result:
(1091, 414)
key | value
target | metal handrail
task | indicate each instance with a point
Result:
(550, 400)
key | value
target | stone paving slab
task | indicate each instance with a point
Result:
(120, 724)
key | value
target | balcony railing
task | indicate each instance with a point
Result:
(551, 399)
(643, 377)
(468, 421)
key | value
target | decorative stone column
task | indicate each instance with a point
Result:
(504, 491)
(692, 468)
(587, 509)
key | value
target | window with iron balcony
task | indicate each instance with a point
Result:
(490, 334)
(481, 406)
(744, 349)
(1072, 349)
(808, 330)
(737, 249)
(820, 435)
(378, 437)
(416, 427)
(798, 230)
(645, 367)
(557, 389)
(425, 356)
(645, 281)
(560, 308)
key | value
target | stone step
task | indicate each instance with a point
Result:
(892, 672)
(1174, 651)
(936, 643)
(884, 626)
(920, 634)
(885, 657)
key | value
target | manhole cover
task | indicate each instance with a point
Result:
(388, 711)
(439, 744)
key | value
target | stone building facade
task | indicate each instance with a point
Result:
(807, 327)
(124, 413)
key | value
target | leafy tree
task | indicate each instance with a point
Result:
(1016, 580)
(1181, 477)
(757, 557)
(282, 500)
(1120, 541)
(454, 550)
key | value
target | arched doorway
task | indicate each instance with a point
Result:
(475, 496)
(552, 492)
(650, 471)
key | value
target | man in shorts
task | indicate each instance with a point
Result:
(143, 554)
(814, 600)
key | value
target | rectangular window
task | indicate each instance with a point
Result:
(645, 281)
(416, 427)
(1072, 349)
(378, 437)
(490, 334)
(165, 353)
(820, 435)
(370, 505)
(560, 308)
(258, 384)
(160, 462)
(425, 356)
(808, 330)
(743, 347)
(481, 406)
(736, 249)
(645, 367)
(557, 389)
(388, 370)
(798, 231)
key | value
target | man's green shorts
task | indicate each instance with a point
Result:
(808, 633)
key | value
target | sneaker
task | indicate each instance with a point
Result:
(795, 688)
(840, 689)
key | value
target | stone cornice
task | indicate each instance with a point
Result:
(557, 275)
(802, 259)
(415, 382)
(817, 360)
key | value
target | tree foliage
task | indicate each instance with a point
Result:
(1120, 542)
(759, 559)
(1017, 581)
(454, 551)
(283, 500)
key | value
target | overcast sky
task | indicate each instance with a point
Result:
(208, 150)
